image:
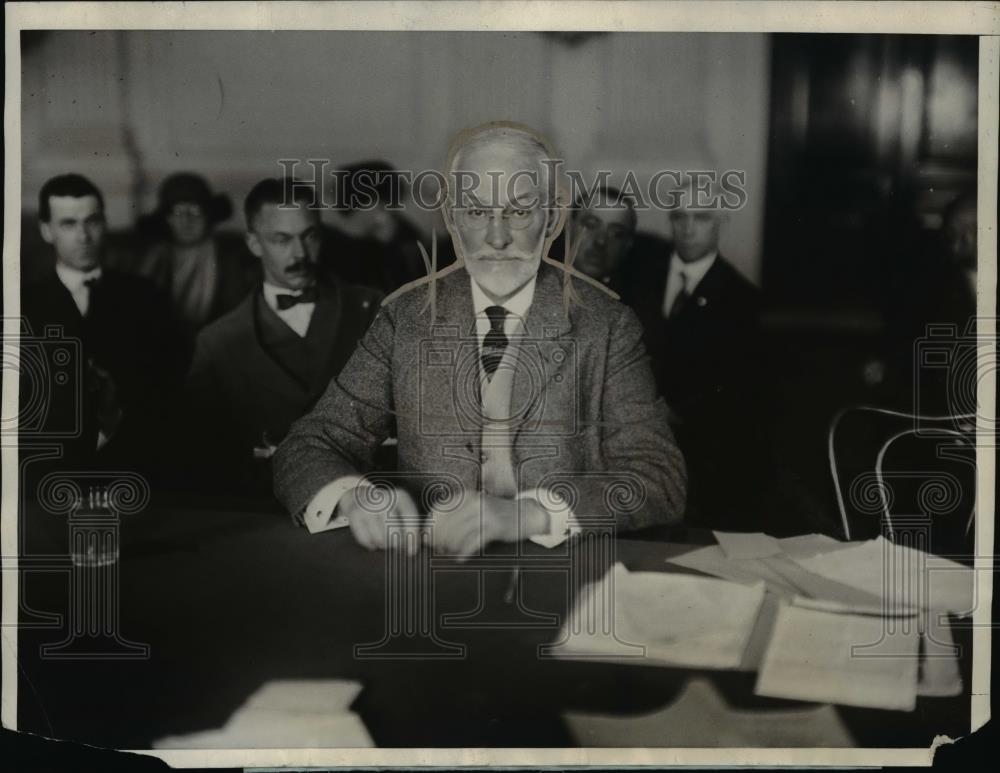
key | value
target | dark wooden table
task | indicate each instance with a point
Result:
(226, 600)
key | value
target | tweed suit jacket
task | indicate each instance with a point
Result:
(587, 421)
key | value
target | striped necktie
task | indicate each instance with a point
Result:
(495, 342)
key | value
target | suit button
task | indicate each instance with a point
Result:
(701, 300)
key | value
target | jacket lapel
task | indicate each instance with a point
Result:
(706, 294)
(59, 303)
(448, 361)
(545, 354)
(325, 324)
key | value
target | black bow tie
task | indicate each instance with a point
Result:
(286, 302)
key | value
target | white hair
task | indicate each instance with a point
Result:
(516, 137)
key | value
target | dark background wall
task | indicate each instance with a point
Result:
(128, 108)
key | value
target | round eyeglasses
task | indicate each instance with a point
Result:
(477, 218)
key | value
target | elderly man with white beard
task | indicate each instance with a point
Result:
(509, 380)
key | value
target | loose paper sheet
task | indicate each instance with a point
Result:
(856, 660)
(286, 713)
(940, 676)
(305, 695)
(262, 729)
(823, 592)
(903, 577)
(747, 545)
(806, 545)
(712, 560)
(669, 619)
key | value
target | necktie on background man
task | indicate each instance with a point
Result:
(90, 287)
(495, 341)
(682, 299)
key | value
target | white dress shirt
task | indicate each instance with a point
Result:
(686, 276)
(75, 280)
(517, 309)
(317, 515)
(297, 317)
(560, 519)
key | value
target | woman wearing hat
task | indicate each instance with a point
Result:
(204, 274)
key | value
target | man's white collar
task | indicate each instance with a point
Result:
(73, 278)
(518, 304)
(272, 291)
(694, 271)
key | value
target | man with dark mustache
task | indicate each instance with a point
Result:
(260, 367)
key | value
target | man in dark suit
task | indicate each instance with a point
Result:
(130, 358)
(506, 379)
(700, 317)
(264, 364)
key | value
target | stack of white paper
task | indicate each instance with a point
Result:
(753, 557)
(286, 714)
(856, 619)
(664, 618)
(901, 577)
(712, 560)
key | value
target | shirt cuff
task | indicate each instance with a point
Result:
(318, 515)
(562, 523)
